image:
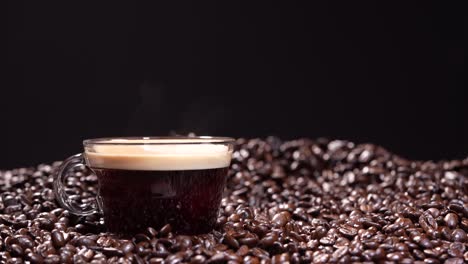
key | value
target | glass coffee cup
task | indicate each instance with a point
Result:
(152, 181)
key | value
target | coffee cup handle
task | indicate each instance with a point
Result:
(59, 188)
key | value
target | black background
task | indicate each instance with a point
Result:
(388, 74)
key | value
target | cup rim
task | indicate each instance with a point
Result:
(172, 140)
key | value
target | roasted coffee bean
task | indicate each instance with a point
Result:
(457, 208)
(184, 242)
(280, 258)
(45, 223)
(151, 232)
(155, 261)
(230, 241)
(455, 261)
(281, 219)
(464, 224)
(419, 254)
(127, 247)
(456, 249)
(321, 258)
(25, 241)
(141, 237)
(260, 253)
(66, 257)
(70, 248)
(198, 259)
(34, 258)
(299, 201)
(140, 250)
(427, 222)
(434, 212)
(340, 252)
(426, 243)
(431, 261)
(220, 247)
(79, 259)
(431, 253)
(103, 241)
(446, 233)
(251, 260)
(176, 258)
(12, 209)
(16, 250)
(459, 235)
(165, 230)
(166, 241)
(57, 239)
(242, 251)
(54, 259)
(234, 218)
(218, 258)
(327, 241)
(348, 231)
(396, 256)
(451, 220)
(84, 241)
(87, 254)
(371, 244)
(249, 241)
(111, 252)
(268, 240)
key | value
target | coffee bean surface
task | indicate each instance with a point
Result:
(299, 201)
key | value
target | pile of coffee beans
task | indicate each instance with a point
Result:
(297, 201)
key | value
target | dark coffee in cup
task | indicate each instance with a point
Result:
(151, 185)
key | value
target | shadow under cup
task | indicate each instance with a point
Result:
(153, 182)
